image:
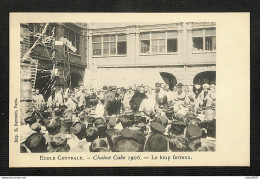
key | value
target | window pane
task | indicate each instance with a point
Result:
(144, 36)
(97, 49)
(172, 34)
(112, 48)
(112, 38)
(197, 43)
(210, 32)
(145, 46)
(210, 43)
(197, 32)
(106, 38)
(97, 39)
(155, 35)
(154, 45)
(161, 45)
(214, 43)
(105, 48)
(121, 48)
(121, 37)
(172, 45)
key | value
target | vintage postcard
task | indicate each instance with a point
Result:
(129, 89)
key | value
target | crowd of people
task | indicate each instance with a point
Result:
(117, 119)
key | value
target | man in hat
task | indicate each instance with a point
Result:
(212, 96)
(91, 99)
(156, 143)
(38, 100)
(109, 102)
(58, 143)
(137, 99)
(193, 134)
(177, 140)
(35, 143)
(204, 96)
(70, 103)
(80, 98)
(127, 97)
(180, 94)
(58, 97)
(130, 141)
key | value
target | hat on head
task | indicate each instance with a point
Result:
(156, 127)
(133, 134)
(99, 145)
(36, 143)
(36, 126)
(205, 85)
(180, 85)
(100, 122)
(177, 127)
(112, 121)
(112, 137)
(125, 121)
(91, 134)
(162, 120)
(212, 85)
(79, 129)
(127, 145)
(156, 143)
(90, 119)
(29, 120)
(130, 115)
(53, 125)
(193, 131)
(104, 87)
(65, 125)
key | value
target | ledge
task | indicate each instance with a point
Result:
(108, 56)
(203, 52)
(156, 54)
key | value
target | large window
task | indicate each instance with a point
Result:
(73, 37)
(109, 45)
(158, 42)
(204, 39)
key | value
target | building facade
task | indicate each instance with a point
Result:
(123, 54)
(75, 61)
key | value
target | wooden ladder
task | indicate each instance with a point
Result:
(34, 65)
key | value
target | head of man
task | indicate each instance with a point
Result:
(179, 88)
(141, 89)
(37, 91)
(205, 87)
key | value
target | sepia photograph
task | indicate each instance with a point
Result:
(129, 90)
(118, 87)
